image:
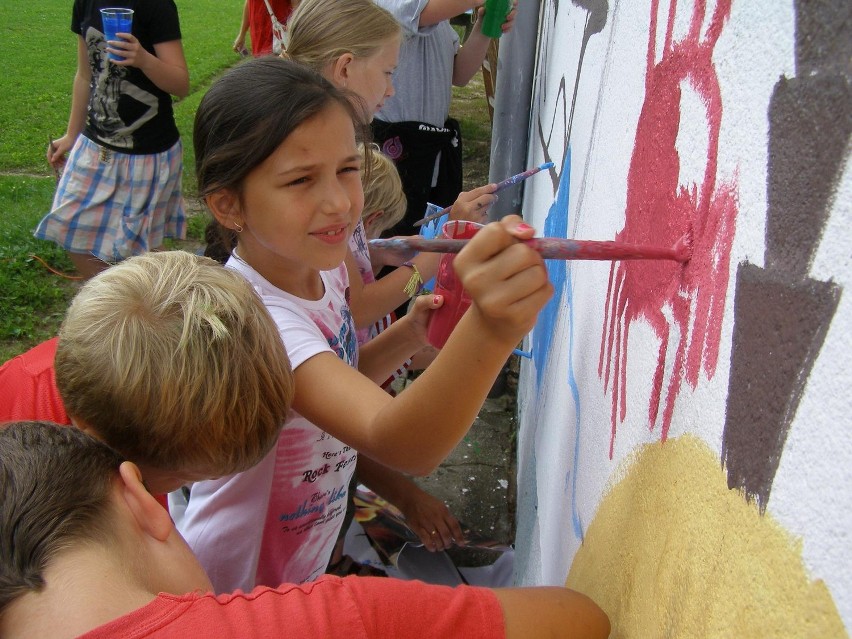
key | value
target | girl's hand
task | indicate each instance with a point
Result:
(432, 521)
(510, 18)
(507, 280)
(473, 205)
(240, 43)
(127, 47)
(417, 317)
(57, 151)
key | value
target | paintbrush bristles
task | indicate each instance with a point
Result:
(683, 248)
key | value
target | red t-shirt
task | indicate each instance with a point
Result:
(260, 24)
(348, 607)
(28, 385)
(28, 390)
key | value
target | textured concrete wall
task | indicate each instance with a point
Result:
(686, 430)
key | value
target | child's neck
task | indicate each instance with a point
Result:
(299, 280)
(85, 589)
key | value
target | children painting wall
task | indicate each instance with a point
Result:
(686, 429)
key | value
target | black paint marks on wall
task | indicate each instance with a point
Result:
(596, 19)
(781, 315)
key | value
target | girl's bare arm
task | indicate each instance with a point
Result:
(415, 431)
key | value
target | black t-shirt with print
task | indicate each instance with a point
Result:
(127, 112)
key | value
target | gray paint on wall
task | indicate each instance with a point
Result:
(781, 315)
(597, 12)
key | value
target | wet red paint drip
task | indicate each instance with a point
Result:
(659, 211)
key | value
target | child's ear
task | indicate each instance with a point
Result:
(225, 207)
(150, 515)
(371, 218)
(340, 70)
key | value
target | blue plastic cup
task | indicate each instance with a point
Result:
(116, 20)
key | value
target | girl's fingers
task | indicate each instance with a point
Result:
(456, 532)
(492, 240)
(428, 302)
(517, 227)
(515, 272)
(440, 538)
(483, 190)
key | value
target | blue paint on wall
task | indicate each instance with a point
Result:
(555, 225)
(559, 271)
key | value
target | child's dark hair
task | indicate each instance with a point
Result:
(250, 111)
(56, 484)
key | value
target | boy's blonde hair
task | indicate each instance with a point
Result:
(174, 361)
(382, 191)
(321, 31)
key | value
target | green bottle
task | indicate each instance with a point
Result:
(495, 15)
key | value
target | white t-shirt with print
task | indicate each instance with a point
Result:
(278, 521)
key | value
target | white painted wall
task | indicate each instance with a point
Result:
(565, 466)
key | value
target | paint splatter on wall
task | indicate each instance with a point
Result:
(730, 121)
(660, 210)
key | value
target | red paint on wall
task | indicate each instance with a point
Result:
(659, 211)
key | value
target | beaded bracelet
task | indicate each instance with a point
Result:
(415, 282)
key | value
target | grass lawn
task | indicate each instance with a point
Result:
(38, 58)
(35, 96)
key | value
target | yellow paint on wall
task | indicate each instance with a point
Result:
(672, 552)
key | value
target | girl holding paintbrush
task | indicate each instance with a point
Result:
(278, 162)
(355, 44)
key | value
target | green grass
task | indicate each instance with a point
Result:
(38, 56)
(37, 64)
(33, 298)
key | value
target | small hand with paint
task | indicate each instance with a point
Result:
(473, 205)
(417, 317)
(390, 256)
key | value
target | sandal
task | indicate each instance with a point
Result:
(348, 566)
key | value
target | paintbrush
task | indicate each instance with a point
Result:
(551, 248)
(505, 184)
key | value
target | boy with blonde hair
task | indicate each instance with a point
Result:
(84, 548)
(173, 361)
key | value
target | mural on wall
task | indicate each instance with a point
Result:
(658, 408)
(689, 298)
(556, 225)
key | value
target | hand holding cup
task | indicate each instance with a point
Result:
(117, 23)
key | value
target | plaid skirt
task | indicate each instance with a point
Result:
(113, 205)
